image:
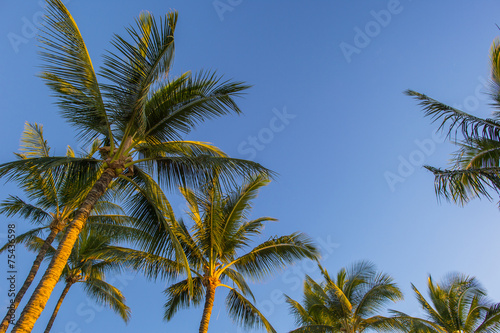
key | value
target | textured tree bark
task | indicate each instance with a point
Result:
(209, 304)
(38, 300)
(58, 305)
(29, 279)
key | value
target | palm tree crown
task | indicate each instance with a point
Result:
(351, 302)
(475, 167)
(215, 247)
(457, 304)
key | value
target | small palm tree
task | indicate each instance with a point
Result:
(475, 169)
(140, 115)
(88, 265)
(215, 248)
(457, 304)
(350, 303)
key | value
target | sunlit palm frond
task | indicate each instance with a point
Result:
(177, 107)
(104, 293)
(14, 205)
(179, 297)
(69, 72)
(27, 237)
(136, 66)
(275, 254)
(245, 313)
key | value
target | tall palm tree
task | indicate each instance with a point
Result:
(475, 166)
(88, 266)
(216, 250)
(52, 204)
(457, 304)
(350, 303)
(140, 115)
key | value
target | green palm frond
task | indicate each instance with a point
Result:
(378, 293)
(237, 207)
(275, 254)
(26, 237)
(239, 282)
(463, 185)
(470, 126)
(491, 321)
(136, 66)
(179, 296)
(69, 72)
(33, 143)
(245, 313)
(178, 106)
(301, 315)
(177, 148)
(195, 171)
(153, 266)
(104, 293)
(14, 205)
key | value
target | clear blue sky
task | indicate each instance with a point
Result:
(345, 127)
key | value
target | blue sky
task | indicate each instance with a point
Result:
(326, 112)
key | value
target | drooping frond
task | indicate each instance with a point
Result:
(178, 296)
(463, 185)
(470, 126)
(27, 237)
(245, 313)
(104, 293)
(195, 171)
(14, 205)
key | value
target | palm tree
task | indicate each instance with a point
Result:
(457, 304)
(88, 265)
(350, 303)
(53, 203)
(215, 247)
(475, 166)
(140, 115)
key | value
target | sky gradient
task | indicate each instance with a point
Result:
(326, 112)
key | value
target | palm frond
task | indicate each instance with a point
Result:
(25, 238)
(69, 72)
(470, 126)
(245, 313)
(136, 66)
(179, 296)
(104, 293)
(14, 205)
(463, 185)
(275, 254)
(177, 107)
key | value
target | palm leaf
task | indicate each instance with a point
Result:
(69, 72)
(245, 313)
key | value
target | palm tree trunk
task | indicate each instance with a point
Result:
(58, 305)
(41, 295)
(31, 276)
(209, 304)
